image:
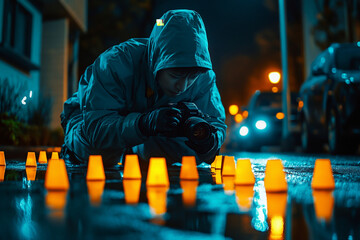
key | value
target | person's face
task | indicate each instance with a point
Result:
(174, 81)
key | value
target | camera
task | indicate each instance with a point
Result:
(193, 124)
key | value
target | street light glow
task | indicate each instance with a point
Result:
(238, 118)
(274, 89)
(233, 109)
(245, 114)
(274, 77)
(280, 115)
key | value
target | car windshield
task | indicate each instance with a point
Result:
(347, 58)
(273, 101)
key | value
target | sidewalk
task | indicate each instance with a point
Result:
(20, 152)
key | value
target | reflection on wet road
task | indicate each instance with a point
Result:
(211, 207)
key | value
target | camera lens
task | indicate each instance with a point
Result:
(197, 129)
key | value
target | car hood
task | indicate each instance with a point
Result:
(347, 76)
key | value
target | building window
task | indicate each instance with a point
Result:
(17, 28)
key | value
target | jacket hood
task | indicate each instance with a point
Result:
(180, 42)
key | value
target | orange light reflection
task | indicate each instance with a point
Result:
(56, 201)
(229, 186)
(157, 199)
(95, 191)
(132, 190)
(189, 192)
(244, 197)
(31, 173)
(323, 204)
(276, 204)
(276, 228)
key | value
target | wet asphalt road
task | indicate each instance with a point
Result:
(209, 209)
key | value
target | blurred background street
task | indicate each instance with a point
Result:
(288, 73)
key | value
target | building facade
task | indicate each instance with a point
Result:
(39, 44)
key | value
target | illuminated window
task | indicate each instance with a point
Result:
(20, 25)
(17, 28)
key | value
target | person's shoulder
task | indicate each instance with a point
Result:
(125, 53)
(132, 46)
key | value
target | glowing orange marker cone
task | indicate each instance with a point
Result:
(42, 157)
(2, 173)
(157, 173)
(323, 178)
(56, 177)
(275, 180)
(132, 190)
(323, 204)
(54, 155)
(244, 197)
(218, 179)
(2, 158)
(213, 164)
(31, 173)
(95, 170)
(31, 160)
(188, 168)
(218, 160)
(244, 174)
(95, 190)
(157, 199)
(228, 166)
(189, 192)
(131, 167)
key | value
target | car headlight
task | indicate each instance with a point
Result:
(244, 130)
(260, 124)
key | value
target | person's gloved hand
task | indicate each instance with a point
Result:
(162, 121)
(205, 146)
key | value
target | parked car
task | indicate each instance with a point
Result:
(331, 100)
(263, 126)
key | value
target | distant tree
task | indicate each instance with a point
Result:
(329, 28)
(111, 22)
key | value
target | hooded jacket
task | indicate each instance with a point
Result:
(102, 117)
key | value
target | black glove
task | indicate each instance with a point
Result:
(162, 121)
(204, 146)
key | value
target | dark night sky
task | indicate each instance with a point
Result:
(231, 26)
(243, 39)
